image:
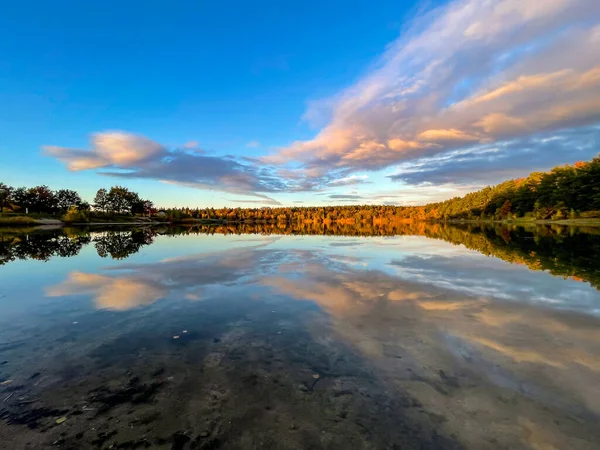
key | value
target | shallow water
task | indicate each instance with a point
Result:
(417, 336)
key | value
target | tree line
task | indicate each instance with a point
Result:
(42, 199)
(569, 191)
(39, 199)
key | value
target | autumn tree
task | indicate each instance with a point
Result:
(504, 211)
(5, 193)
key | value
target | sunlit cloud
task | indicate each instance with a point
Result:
(128, 156)
(468, 74)
(491, 163)
(465, 96)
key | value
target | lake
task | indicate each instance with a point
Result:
(410, 336)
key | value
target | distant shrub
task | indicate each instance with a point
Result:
(75, 215)
(589, 215)
(560, 211)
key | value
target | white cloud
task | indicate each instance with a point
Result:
(349, 180)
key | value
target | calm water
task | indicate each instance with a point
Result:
(410, 337)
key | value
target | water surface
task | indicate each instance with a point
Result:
(417, 336)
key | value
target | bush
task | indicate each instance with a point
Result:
(560, 211)
(74, 215)
(589, 214)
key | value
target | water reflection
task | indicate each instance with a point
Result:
(131, 285)
(42, 245)
(563, 251)
(210, 340)
(121, 244)
(412, 318)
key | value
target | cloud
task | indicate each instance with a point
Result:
(492, 163)
(418, 193)
(126, 155)
(467, 82)
(464, 76)
(191, 145)
(109, 149)
(451, 135)
(349, 181)
(345, 197)
(263, 201)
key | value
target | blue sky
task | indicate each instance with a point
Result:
(249, 104)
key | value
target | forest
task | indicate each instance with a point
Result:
(565, 192)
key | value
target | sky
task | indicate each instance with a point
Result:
(267, 103)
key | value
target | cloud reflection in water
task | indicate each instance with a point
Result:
(473, 338)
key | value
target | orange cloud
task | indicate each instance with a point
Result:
(109, 148)
(423, 98)
(76, 160)
(451, 134)
(401, 145)
(500, 123)
(523, 84)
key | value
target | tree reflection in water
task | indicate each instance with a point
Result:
(43, 245)
(120, 245)
(563, 251)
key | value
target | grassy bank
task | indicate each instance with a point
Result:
(571, 222)
(18, 221)
(114, 219)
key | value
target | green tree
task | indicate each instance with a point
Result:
(84, 206)
(101, 200)
(118, 199)
(21, 198)
(5, 194)
(66, 198)
(41, 199)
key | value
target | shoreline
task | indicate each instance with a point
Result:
(23, 221)
(565, 222)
